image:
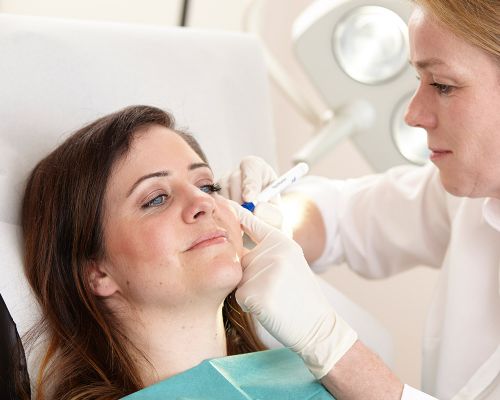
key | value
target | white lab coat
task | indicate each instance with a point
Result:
(384, 224)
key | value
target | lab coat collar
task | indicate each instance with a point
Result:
(491, 212)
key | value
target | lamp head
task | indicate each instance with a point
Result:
(356, 50)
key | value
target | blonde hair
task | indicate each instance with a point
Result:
(475, 21)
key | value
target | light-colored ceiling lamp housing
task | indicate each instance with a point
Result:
(355, 52)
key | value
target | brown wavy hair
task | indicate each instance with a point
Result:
(88, 356)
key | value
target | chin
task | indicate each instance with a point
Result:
(225, 272)
(455, 191)
(455, 186)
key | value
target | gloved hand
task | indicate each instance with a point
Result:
(246, 182)
(280, 290)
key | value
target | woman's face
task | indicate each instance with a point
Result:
(458, 104)
(169, 240)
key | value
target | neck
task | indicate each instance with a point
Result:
(176, 342)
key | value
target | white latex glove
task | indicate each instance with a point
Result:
(279, 289)
(246, 182)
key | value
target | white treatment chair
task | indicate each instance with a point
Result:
(56, 75)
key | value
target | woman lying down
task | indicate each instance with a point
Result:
(141, 274)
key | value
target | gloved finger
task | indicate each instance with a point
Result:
(276, 200)
(269, 213)
(256, 174)
(274, 215)
(257, 229)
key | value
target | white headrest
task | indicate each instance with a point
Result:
(57, 75)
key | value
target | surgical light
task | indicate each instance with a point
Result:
(369, 43)
(356, 52)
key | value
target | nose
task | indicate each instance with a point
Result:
(197, 204)
(421, 111)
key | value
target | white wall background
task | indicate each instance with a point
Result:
(400, 302)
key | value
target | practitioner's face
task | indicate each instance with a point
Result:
(169, 240)
(457, 103)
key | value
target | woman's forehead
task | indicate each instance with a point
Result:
(159, 144)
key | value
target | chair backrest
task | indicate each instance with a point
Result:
(14, 379)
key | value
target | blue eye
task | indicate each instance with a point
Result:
(155, 202)
(212, 188)
(442, 89)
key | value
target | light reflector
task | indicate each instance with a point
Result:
(370, 44)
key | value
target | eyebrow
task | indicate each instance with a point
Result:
(160, 174)
(424, 64)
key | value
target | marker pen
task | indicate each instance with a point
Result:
(279, 185)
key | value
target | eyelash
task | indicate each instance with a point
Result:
(442, 89)
(211, 188)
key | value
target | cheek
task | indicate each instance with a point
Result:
(144, 264)
(480, 142)
(121, 240)
(229, 221)
(140, 246)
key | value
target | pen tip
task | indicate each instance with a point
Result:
(249, 206)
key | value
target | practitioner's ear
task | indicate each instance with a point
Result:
(101, 282)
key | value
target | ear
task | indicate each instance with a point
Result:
(101, 282)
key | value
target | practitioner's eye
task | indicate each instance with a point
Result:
(443, 89)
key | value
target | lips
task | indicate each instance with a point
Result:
(209, 239)
(438, 153)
